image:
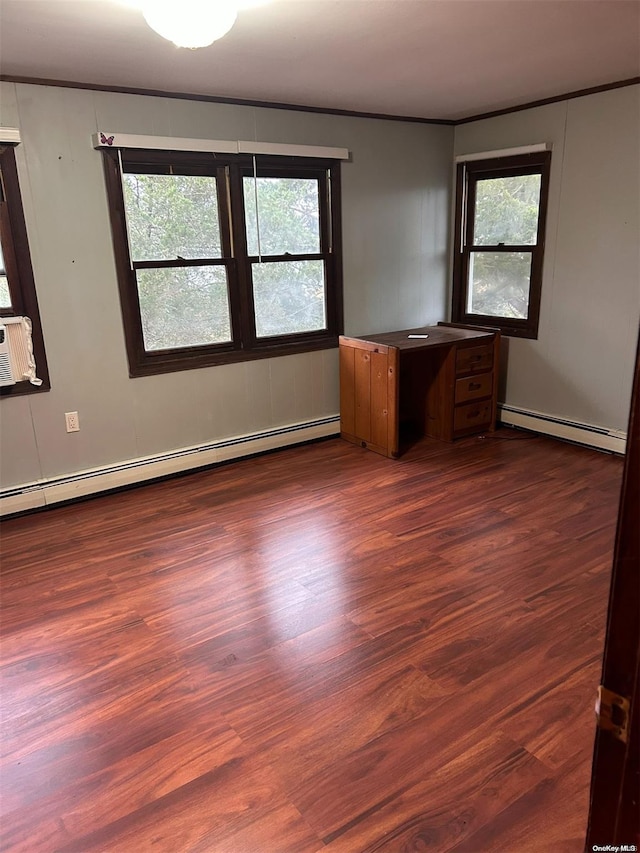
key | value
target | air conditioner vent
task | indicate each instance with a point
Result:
(6, 376)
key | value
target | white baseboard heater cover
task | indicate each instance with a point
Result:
(84, 483)
(601, 438)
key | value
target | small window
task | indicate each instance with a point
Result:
(284, 243)
(6, 305)
(224, 258)
(175, 248)
(500, 226)
(17, 286)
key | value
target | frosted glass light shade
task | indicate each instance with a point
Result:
(190, 23)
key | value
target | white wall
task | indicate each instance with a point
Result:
(396, 197)
(581, 366)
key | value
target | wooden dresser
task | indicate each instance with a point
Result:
(439, 381)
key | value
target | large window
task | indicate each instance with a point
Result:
(500, 226)
(224, 258)
(17, 287)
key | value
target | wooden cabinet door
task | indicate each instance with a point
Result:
(368, 396)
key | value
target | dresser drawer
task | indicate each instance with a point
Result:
(472, 417)
(474, 387)
(474, 359)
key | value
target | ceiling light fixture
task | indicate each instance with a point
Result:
(193, 23)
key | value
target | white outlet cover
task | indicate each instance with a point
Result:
(72, 421)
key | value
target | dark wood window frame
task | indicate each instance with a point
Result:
(18, 269)
(467, 177)
(229, 171)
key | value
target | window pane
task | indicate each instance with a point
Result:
(184, 307)
(5, 296)
(172, 216)
(507, 211)
(288, 215)
(499, 283)
(289, 297)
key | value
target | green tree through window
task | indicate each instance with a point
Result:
(222, 259)
(500, 220)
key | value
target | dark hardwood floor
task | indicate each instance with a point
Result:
(319, 649)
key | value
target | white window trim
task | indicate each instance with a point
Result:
(503, 152)
(9, 136)
(107, 139)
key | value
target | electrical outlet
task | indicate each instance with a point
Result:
(72, 421)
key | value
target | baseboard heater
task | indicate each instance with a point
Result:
(601, 438)
(45, 492)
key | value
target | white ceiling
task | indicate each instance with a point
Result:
(439, 59)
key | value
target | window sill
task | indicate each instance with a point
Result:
(152, 365)
(505, 328)
(21, 389)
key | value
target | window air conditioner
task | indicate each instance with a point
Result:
(6, 374)
(17, 363)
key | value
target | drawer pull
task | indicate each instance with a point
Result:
(475, 414)
(474, 386)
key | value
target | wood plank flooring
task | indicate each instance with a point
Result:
(315, 650)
